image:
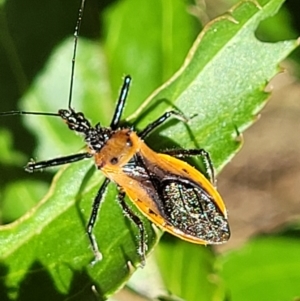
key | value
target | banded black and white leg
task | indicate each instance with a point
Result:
(138, 222)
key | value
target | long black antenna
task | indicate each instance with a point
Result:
(28, 113)
(76, 32)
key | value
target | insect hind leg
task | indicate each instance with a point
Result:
(137, 221)
(153, 125)
(181, 153)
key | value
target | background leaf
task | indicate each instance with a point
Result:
(190, 271)
(278, 264)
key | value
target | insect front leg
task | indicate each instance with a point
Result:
(93, 219)
(121, 103)
(33, 166)
(181, 153)
(131, 215)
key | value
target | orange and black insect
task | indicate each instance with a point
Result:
(168, 191)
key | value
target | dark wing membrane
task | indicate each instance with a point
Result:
(190, 209)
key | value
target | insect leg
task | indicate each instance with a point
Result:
(121, 103)
(160, 121)
(181, 153)
(131, 215)
(93, 218)
(33, 166)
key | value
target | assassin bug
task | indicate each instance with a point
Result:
(168, 191)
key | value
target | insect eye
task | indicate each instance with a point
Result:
(114, 160)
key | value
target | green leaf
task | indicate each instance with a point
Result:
(220, 86)
(8, 155)
(189, 270)
(222, 81)
(266, 268)
(277, 28)
(25, 193)
(50, 240)
(168, 32)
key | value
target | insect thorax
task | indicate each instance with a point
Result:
(118, 149)
(97, 137)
